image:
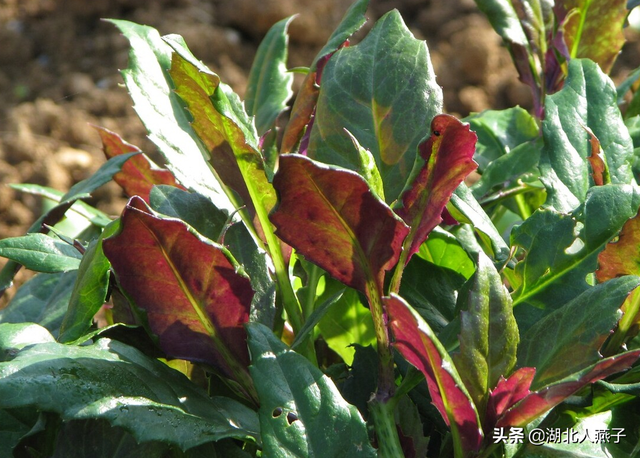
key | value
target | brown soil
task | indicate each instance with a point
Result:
(59, 73)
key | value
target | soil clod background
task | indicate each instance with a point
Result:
(59, 74)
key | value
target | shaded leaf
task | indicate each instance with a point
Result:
(488, 333)
(112, 381)
(332, 218)
(43, 300)
(588, 98)
(568, 339)
(192, 208)
(448, 157)
(415, 340)
(432, 291)
(162, 111)
(387, 111)
(269, 84)
(301, 411)
(90, 290)
(195, 301)
(41, 253)
(538, 402)
(138, 174)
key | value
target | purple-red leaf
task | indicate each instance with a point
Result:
(507, 393)
(448, 156)
(195, 301)
(539, 402)
(139, 174)
(332, 218)
(415, 340)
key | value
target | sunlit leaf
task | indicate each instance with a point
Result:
(568, 339)
(115, 382)
(553, 274)
(541, 401)
(195, 301)
(488, 333)
(388, 111)
(588, 98)
(301, 411)
(41, 253)
(138, 174)
(594, 30)
(332, 218)
(162, 112)
(448, 157)
(415, 340)
(269, 85)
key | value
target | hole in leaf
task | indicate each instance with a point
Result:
(291, 417)
(277, 412)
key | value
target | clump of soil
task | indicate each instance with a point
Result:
(59, 74)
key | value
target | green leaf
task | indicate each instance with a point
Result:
(415, 340)
(346, 323)
(112, 381)
(101, 177)
(488, 334)
(444, 250)
(383, 91)
(505, 149)
(15, 424)
(41, 253)
(504, 19)
(465, 208)
(553, 274)
(301, 411)
(594, 30)
(195, 301)
(138, 174)
(92, 214)
(162, 111)
(44, 299)
(90, 290)
(192, 208)
(220, 121)
(588, 99)
(433, 291)
(568, 339)
(269, 84)
(331, 217)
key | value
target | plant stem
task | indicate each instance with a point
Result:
(386, 431)
(394, 287)
(631, 310)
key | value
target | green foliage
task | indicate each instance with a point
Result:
(341, 285)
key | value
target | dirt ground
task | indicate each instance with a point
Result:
(59, 73)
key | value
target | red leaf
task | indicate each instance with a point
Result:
(415, 340)
(539, 402)
(621, 257)
(448, 156)
(332, 218)
(139, 174)
(195, 301)
(507, 393)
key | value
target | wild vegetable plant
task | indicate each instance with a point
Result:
(337, 283)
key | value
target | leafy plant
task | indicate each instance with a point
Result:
(315, 286)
